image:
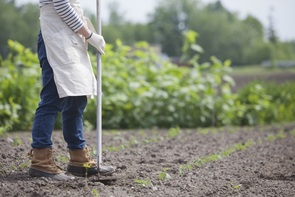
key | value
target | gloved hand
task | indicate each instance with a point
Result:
(97, 41)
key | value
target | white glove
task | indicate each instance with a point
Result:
(97, 41)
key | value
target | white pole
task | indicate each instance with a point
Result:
(99, 93)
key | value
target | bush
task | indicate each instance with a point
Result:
(20, 86)
(140, 90)
(266, 103)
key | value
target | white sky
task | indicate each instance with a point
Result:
(283, 11)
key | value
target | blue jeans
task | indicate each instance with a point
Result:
(72, 109)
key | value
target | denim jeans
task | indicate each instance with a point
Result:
(72, 109)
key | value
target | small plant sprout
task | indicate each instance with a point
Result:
(280, 135)
(270, 137)
(62, 159)
(233, 186)
(95, 192)
(164, 175)
(215, 157)
(174, 132)
(144, 182)
(87, 166)
(24, 164)
(185, 167)
(17, 141)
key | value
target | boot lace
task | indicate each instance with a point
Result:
(30, 154)
(89, 158)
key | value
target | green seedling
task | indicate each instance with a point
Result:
(24, 164)
(144, 182)
(13, 167)
(281, 135)
(164, 175)
(185, 167)
(151, 140)
(207, 159)
(130, 143)
(227, 152)
(111, 148)
(133, 141)
(62, 159)
(95, 192)
(17, 141)
(215, 157)
(174, 132)
(87, 166)
(270, 137)
(203, 131)
(292, 133)
(2, 170)
(141, 132)
(232, 186)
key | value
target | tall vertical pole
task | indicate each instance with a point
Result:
(99, 92)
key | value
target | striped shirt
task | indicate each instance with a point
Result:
(66, 12)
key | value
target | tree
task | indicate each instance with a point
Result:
(18, 23)
(169, 21)
(272, 35)
(119, 28)
(221, 32)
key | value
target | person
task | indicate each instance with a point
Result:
(67, 81)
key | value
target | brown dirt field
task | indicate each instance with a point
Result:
(228, 161)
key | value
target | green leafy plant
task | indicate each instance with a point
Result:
(144, 182)
(141, 90)
(173, 132)
(19, 87)
(232, 186)
(86, 166)
(63, 159)
(185, 167)
(215, 157)
(95, 192)
(279, 135)
(164, 175)
(25, 164)
(17, 141)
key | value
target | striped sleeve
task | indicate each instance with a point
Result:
(68, 14)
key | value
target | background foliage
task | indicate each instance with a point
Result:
(221, 33)
(142, 91)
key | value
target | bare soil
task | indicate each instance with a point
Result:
(228, 161)
(278, 78)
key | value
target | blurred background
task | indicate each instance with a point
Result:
(247, 32)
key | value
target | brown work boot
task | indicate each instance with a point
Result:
(81, 163)
(43, 165)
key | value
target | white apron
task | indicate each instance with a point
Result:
(67, 54)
